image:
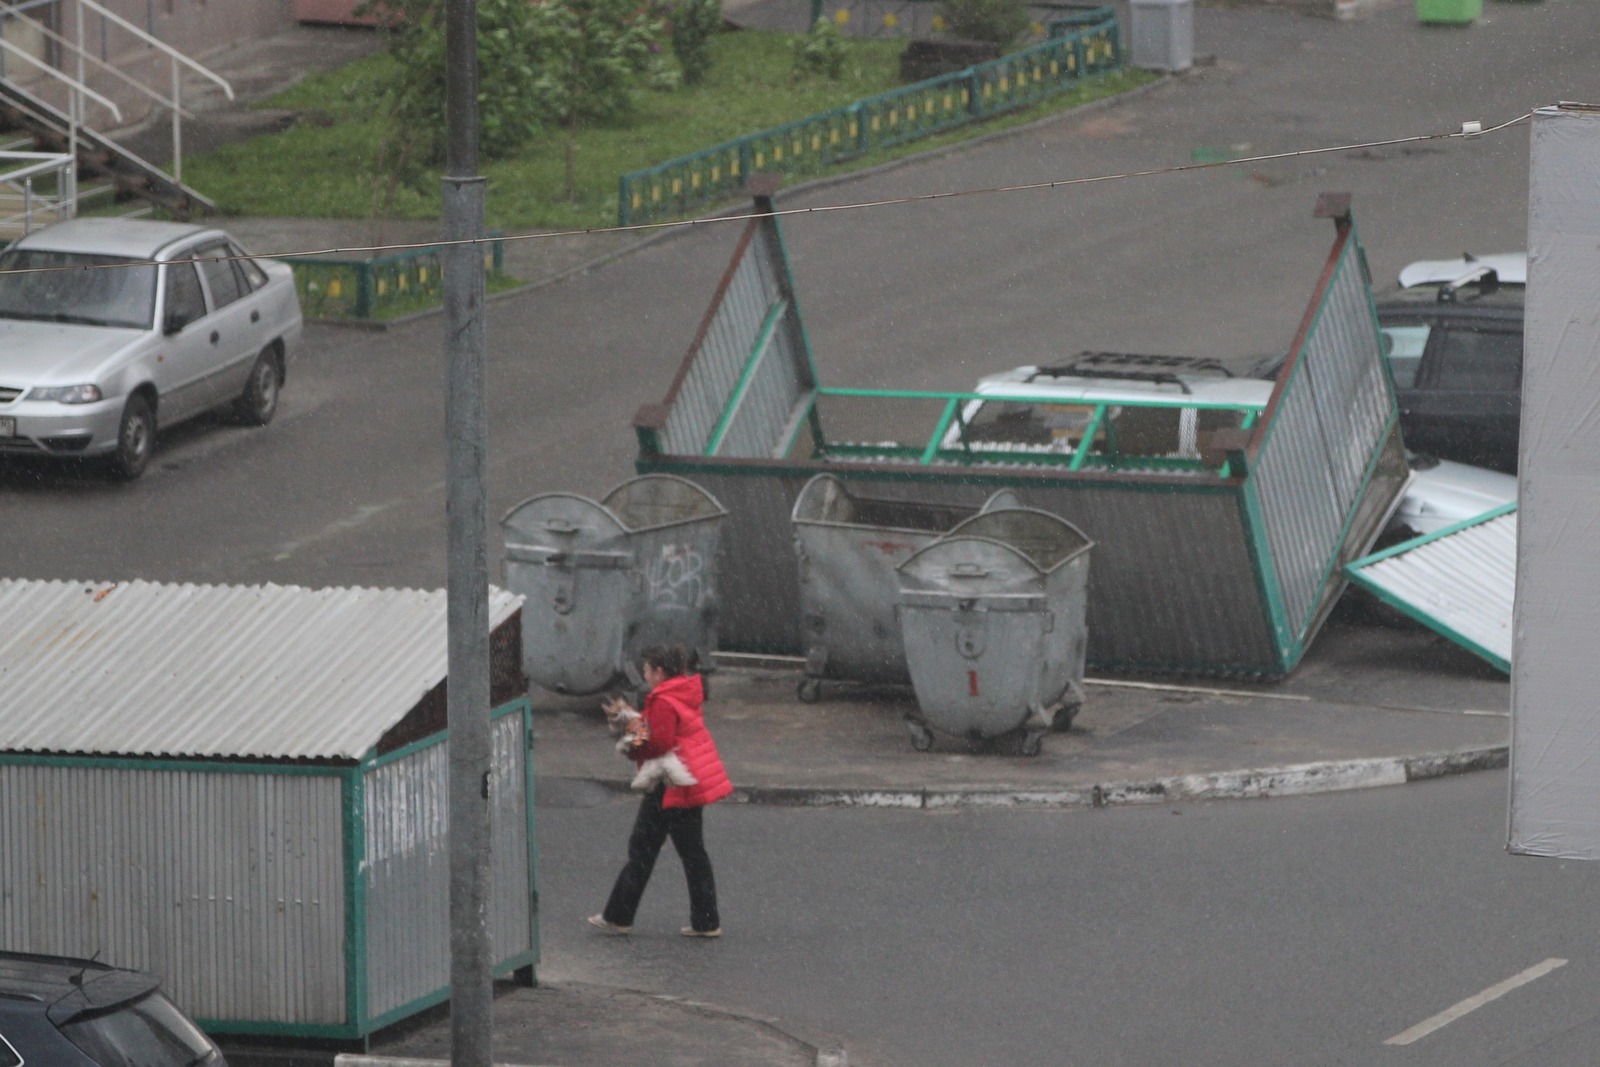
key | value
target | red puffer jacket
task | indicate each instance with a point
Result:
(676, 722)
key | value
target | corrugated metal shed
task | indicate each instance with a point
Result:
(1459, 581)
(268, 671)
(245, 790)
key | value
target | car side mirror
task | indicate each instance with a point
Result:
(175, 322)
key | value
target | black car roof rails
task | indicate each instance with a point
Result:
(1131, 366)
(1487, 280)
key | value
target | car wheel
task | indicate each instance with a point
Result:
(136, 439)
(259, 401)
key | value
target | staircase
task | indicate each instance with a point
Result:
(111, 170)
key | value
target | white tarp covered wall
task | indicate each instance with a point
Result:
(1555, 713)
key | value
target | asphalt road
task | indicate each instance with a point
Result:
(1305, 931)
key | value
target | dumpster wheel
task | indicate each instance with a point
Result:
(809, 690)
(1032, 743)
(1063, 720)
(921, 736)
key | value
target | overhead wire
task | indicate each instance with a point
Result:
(1468, 130)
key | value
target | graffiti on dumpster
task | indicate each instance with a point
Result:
(677, 578)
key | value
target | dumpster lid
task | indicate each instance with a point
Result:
(657, 501)
(1047, 540)
(970, 566)
(562, 515)
(827, 501)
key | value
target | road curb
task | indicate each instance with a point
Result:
(1301, 779)
(831, 1056)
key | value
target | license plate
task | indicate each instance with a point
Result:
(8, 426)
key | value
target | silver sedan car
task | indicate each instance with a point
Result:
(113, 329)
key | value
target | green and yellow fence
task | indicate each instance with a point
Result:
(383, 287)
(1085, 42)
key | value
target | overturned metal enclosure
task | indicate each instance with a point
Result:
(1220, 557)
(245, 791)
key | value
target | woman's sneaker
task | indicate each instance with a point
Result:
(599, 923)
(689, 931)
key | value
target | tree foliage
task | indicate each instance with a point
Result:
(692, 24)
(590, 55)
(510, 96)
(819, 51)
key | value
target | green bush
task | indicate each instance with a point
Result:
(692, 24)
(1000, 22)
(820, 51)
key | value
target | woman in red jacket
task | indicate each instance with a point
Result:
(673, 711)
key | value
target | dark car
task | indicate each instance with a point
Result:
(61, 1012)
(1453, 336)
(1455, 350)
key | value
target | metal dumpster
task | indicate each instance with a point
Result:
(992, 623)
(848, 547)
(603, 580)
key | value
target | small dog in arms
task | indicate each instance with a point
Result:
(632, 730)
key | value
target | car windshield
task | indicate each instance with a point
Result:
(77, 288)
(150, 1032)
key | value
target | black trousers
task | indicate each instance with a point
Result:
(651, 828)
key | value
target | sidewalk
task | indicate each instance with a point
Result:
(1345, 719)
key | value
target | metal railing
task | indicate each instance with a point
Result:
(381, 287)
(35, 189)
(84, 59)
(1087, 43)
(1096, 439)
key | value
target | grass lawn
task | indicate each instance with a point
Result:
(322, 167)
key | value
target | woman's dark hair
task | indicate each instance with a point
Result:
(673, 660)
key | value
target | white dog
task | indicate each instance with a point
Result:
(632, 730)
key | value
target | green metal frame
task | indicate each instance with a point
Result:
(1266, 574)
(934, 451)
(769, 326)
(1291, 648)
(1355, 571)
(1085, 43)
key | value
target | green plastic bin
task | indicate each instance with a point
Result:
(1458, 12)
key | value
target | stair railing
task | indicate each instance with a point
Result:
(18, 173)
(177, 63)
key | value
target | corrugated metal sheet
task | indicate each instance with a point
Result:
(228, 885)
(716, 365)
(140, 668)
(1332, 418)
(408, 868)
(773, 393)
(1460, 582)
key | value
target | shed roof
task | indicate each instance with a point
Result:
(265, 671)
